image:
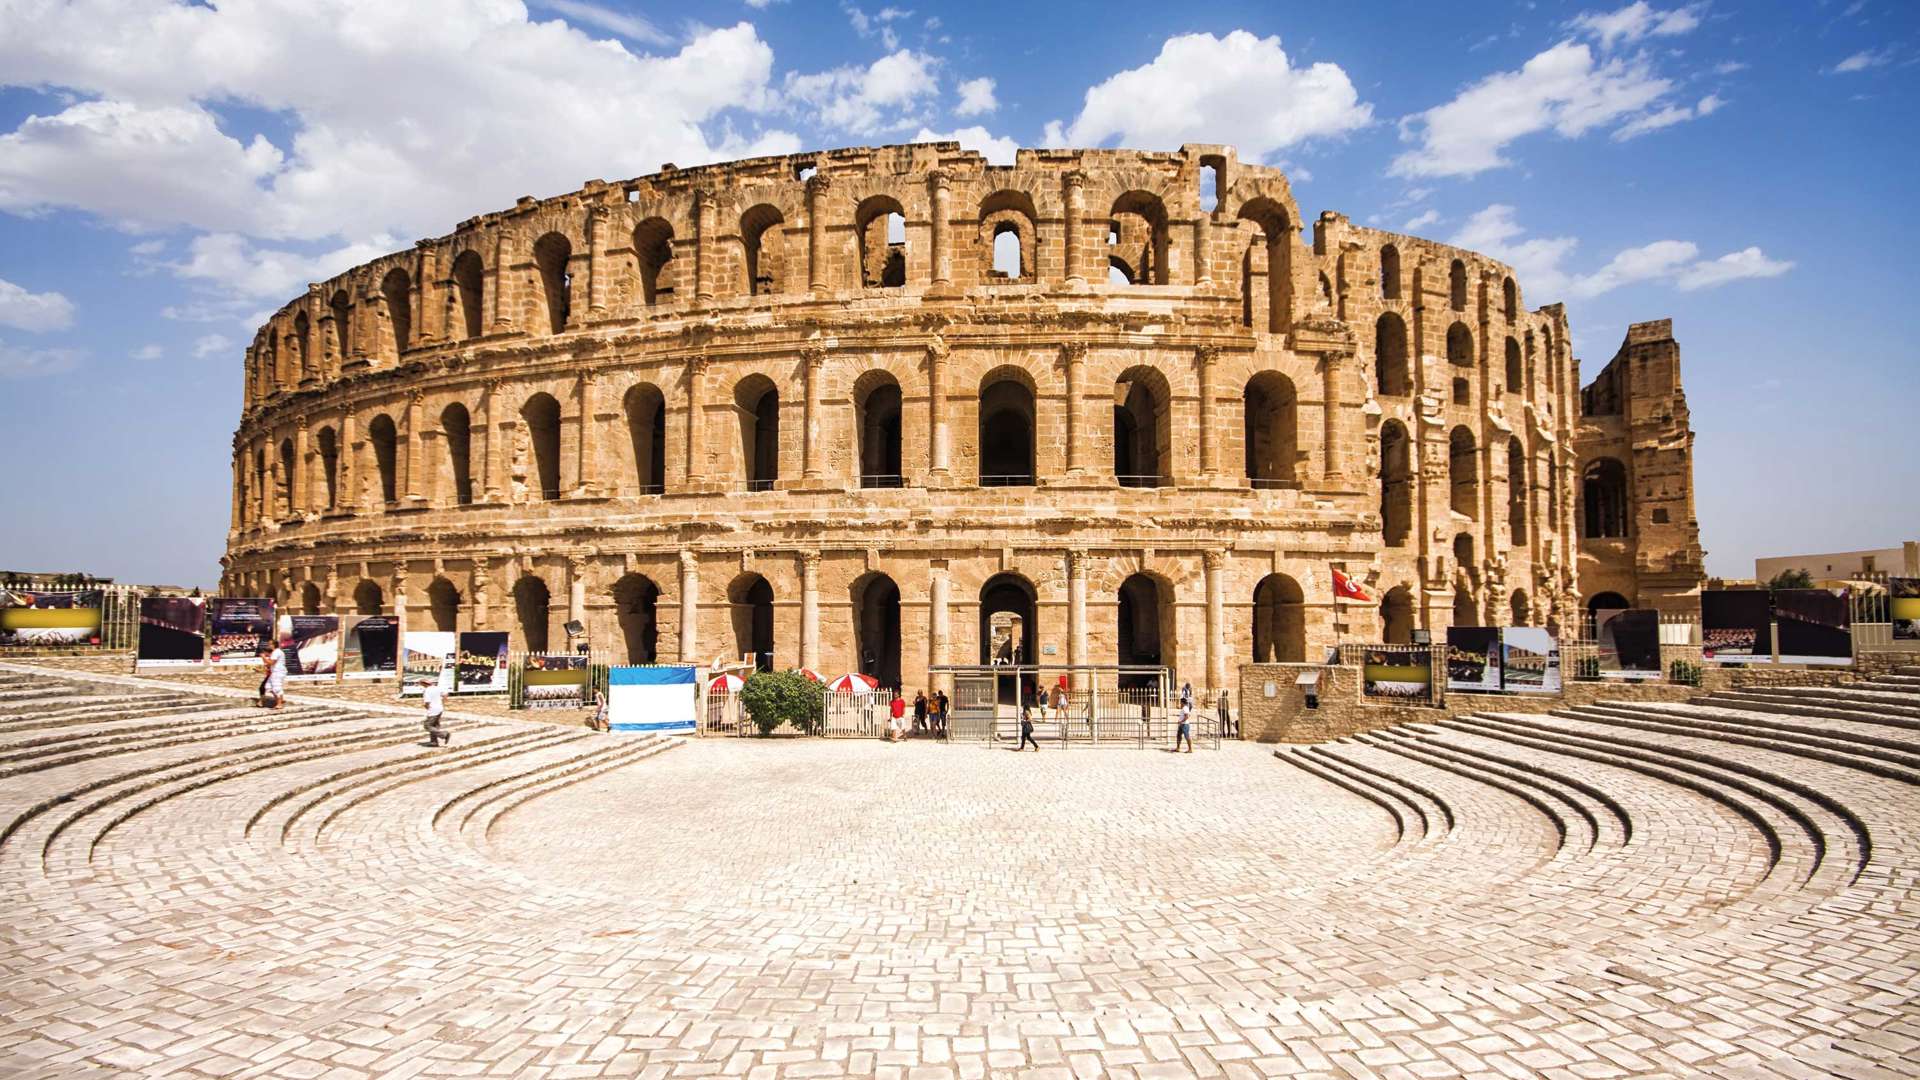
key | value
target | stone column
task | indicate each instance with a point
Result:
(1209, 438)
(502, 303)
(490, 470)
(1202, 241)
(397, 585)
(1076, 609)
(236, 519)
(1075, 183)
(348, 481)
(586, 480)
(1074, 356)
(330, 592)
(813, 356)
(301, 467)
(1216, 618)
(577, 590)
(940, 186)
(938, 443)
(431, 313)
(696, 420)
(810, 610)
(1332, 461)
(414, 438)
(598, 273)
(704, 208)
(689, 608)
(938, 622)
(481, 595)
(819, 186)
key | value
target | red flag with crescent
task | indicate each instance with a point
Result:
(1346, 588)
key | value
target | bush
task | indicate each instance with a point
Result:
(1684, 673)
(784, 697)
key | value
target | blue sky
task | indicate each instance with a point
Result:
(171, 172)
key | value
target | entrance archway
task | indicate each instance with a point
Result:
(876, 627)
(1145, 631)
(635, 603)
(1279, 621)
(443, 600)
(1009, 626)
(1396, 616)
(532, 603)
(751, 601)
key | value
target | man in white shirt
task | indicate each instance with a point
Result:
(435, 698)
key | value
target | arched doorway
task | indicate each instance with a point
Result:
(541, 414)
(443, 602)
(646, 410)
(757, 402)
(1522, 611)
(1145, 631)
(877, 410)
(876, 627)
(531, 606)
(1006, 432)
(368, 599)
(1396, 616)
(750, 599)
(1142, 428)
(1279, 621)
(1465, 611)
(1271, 427)
(635, 603)
(1396, 484)
(1009, 626)
(1603, 494)
(310, 598)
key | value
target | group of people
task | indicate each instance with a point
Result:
(929, 715)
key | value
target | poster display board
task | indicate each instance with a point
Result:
(1816, 625)
(372, 647)
(656, 699)
(1473, 658)
(1903, 594)
(1529, 660)
(1629, 643)
(426, 659)
(312, 645)
(51, 618)
(238, 628)
(1736, 626)
(554, 681)
(1399, 671)
(173, 632)
(481, 665)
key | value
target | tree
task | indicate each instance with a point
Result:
(1791, 579)
(773, 698)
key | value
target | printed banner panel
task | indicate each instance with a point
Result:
(658, 699)
(427, 659)
(1736, 626)
(239, 628)
(1529, 660)
(173, 632)
(50, 618)
(1399, 671)
(1816, 625)
(312, 645)
(481, 667)
(1473, 658)
(1904, 594)
(372, 648)
(554, 681)
(1629, 643)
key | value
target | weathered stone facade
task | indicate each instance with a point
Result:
(789, 405)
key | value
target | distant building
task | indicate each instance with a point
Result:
(1903, 561)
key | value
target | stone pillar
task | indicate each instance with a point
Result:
(348, 482)
(482, 595)
(704, 209)
(577, 590)
(586, 479)
(689, 608)
(1075, 183)
(940, 186)
(810, 610)
(938, 623)
(1074, 356)
(236, 519)
(598, 273)
(1332, 460)
(1209, 438)
(490, 470)
(696, 419)
(813, 356)
(330, 592)
(819, 187)
(939, 443)
(431, 313)
(414, 438)
(1216, 618)
(301, 467)
(1077, 610)
(502, 303)
(397, 585)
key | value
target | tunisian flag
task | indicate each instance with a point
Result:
(1346, 588)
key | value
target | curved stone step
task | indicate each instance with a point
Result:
(1405, 819)
(505, 802)
(1790, 705)
(1871, 756)
(1578, 828)
(1614, 823)
(158, 737)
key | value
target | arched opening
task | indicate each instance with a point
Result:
(1389, 273)
(457, 426)
(1145, 628)
(1463, 472)
(1396, 484)
(653, 254)
(1515, 376)
(443, 603)
(1390, 370)
(303, 342)
(1137, 237)
(762, 235)
(469, 281)
(259, 490)
(757, 403)
(1517, 487)
(636, 601)
(876, 628)
(1006, 431)
(1457, 286)
(329, 444)
(1396, 616)
(1326, 290)
(1460, 358)
(1142, 428)
(1465, 611)
(1279, 621)
(386, 441)
(1603, 491)
(750, 600)
(1605, 601)
(880, 226)
(876, 406)
(1463, 552)
(1521, 611)
(1553, 492)
(1509, 299)
(531, 605)
(310, 599)
(541, 414)
(368, 599)
(551, 255)
(1008, 260)
(1272, 430)
(1276, 233)
(1006, 224)
(1009, 626)
(397, 289)
(283, 482)
(342, 309)
(646, 409)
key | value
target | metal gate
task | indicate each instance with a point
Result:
(976, 707)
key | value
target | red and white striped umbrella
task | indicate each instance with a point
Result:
(812, 675)
(853, 682)
(725, 684)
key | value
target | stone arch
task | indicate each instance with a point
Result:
(877, 412)
(1008, 428)
(1009, 237)
(883, 260)
(533, 610)
(763, 254)
(1146, 628)
(368, 599)
(1271, 410)
(1603, 497)
(328, 442)
(1463, 472)
(342, 307)
(397, 289)
(469, 284)
(443, 605)
(1460, 361)
(1397, 616)
(1463, 551)
(541, 415)
(283, 482)
(750, 607)
(310, 598)
(1519, 609)
(456, 426)
(1465, 611)
(1276, 229)
(1516, 378)
(1517, 488)
(1396, 484)
(636, 605)
(757, 404)
(551, 255)
(386, 442)
(1279, 621)
(303, 341)
(1137, 236)
(1142, 427)
(1605, 601)
(1509, 299)
(1392, 373)
(1009, 592)
(653, 258)
(646, 411)
(1457, 285)
(1389, 272)
(876, 626)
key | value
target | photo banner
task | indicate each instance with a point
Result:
(372, 647)
(1473, 658)
(481, 667)
(427, 659)
(1629, 643)
(655, 699)
(1529, 660)
(239, 627)
(1903, 593)
(1736, 626)
(312, 645)
(31, 618)
(554, 681)
(1404, 672)
(1816, 625)
(173, 632)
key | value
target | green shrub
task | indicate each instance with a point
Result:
(1684, 673)
(773, 698)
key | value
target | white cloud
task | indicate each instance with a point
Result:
(624, 23)
(1428, 217)
(1239, 89)
(210, 345)
(976, 97)
(1537, 261)
(1667, 117)
(240, 268)
(1635, 21)
(1734, 266)
(19, 363)
(1864, 59)
(147, 353)
(877, 23)
(33, 311)
(996, 149)
(1729, 67)
(1561, 89)
(762, 5)
(889, 94)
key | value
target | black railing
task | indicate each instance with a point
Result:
(1007, 480)
(760, 485)
(882, 480)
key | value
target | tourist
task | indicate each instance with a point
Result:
(1186, 695)
(1060, 702)
(1226, 717)
(1026, 730)
(920, 711)
(1184, 734)
(598, 721)
(273, 689)
(436, 700)
(940, 697)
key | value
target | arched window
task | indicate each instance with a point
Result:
(443, 603)
(1137, 237)
(1457, 286)
(757, 403)
(1518, 486)
(457, 426)
(1522, 612)
(1509, 299)
(1396, 484)
(1145, 625)
(1276, 237)
(1279, 621)
(397, 289)
(469, 281)
(1396, 616)
(1006, 227)
(880, 226)
(1390, 369)
(1006, 430)
(876, 408)
(342, 308)
(1272, 434)
(1463, 552)
(1465, 611)
(1389, 273)
(532, 606)
(636, 604)
(653, 254)
(876, 628)
(368, 599)
(310, 598)
(303, 342)
(1142, 428)
(646, 409)
(1463, 472)
(551, 255)
(329, 443)
(385, 440)
(750, 602)
(1516, 378)
(1603, 490)
(541, 414)
(283, 485)
(762, 233)
(1460, 357)
(269, 353)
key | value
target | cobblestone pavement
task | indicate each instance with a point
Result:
(193, 887)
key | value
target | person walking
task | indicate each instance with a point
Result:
(1060, 702)
(1184, 733)
(897, 717)
(1026, 731)
(436, 700)
(598, 721)
(273, 689)
(1226, 718)
(940, 698)
(920, 711)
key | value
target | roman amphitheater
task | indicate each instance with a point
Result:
(841, 410)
